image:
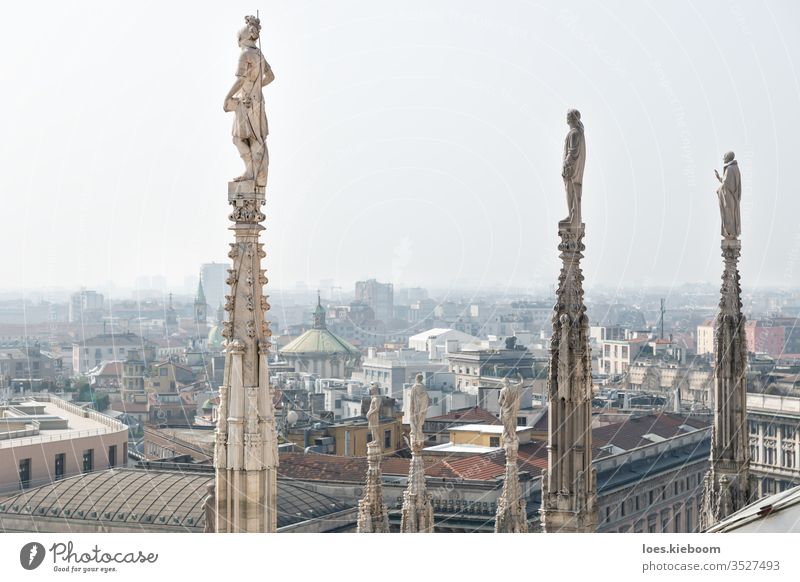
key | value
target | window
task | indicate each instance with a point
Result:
(494, 441)
(789, 432)
(689, 526)
(769, 430)
(88, 460)
(112, 456)
(769, 453)
(61, 460)
(677, 520)
(387, 439)
(162, 372)
(754, 453)
(522, 421)
(789, 458)
(25, 473)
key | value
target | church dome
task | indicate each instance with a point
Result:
(320, 340)
(215, 338)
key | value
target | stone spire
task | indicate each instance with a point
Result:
(200, 307)
(727, 483)
(512, 515)
(372, 514)
(319, 314)
(569, 486)
(246, 447)
(417, 513)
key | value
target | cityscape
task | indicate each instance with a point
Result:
(432, 342)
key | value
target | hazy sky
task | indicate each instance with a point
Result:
(418, 141)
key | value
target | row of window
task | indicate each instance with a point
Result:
(788, 431)
(59, 464)
(770, 455)
(640, 501)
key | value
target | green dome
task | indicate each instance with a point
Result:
(320, 341)
(215, 338)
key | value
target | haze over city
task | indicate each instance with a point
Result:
(423, 150)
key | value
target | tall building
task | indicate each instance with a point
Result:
(213, 276)
(85, 305)
(379, 296)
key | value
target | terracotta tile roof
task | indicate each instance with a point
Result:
(473, 415)
(629, 433)
(317, 467)
(532, 456)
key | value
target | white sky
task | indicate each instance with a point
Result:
(416, 141)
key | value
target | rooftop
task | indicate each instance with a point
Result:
(474, 414)
(47, 418)
(150, 499)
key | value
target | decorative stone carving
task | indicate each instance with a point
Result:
(512, 515)
(572, 169)
(730, 197)
(372, 514)
(417, 512)
(246, 100)
(374, 412)
(727, 484)
(569, 490)
(209, 509)
(246, 444)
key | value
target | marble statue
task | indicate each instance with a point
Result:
(208, 506)
(509, 407)
(574, 162)
(730, 197)
(418, 409)
(374, 412)
(246, 100)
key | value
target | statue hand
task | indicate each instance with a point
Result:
(717, 175)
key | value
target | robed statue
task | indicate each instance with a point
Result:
(509, 407)
(730, 197)
(246, 100)
(374, 412)
(418, 410)
(572, 168)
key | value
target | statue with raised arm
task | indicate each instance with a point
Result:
(418, 409)
(246, 100)
(509, 407)
(730, 197)
(572, 168)
(374, 412)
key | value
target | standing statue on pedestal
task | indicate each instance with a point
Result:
(209, 510)
(730, 197)
(246, 100)
(572, 170)
(374, 412)
(508, 400)
(418, 409)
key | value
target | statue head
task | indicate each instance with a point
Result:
(374, 389)
(249, 34)
(574, 118)
(728, 157)
(419, 378)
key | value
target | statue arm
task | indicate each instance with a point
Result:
(268, 76)
(230, 96)
(572, 153)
